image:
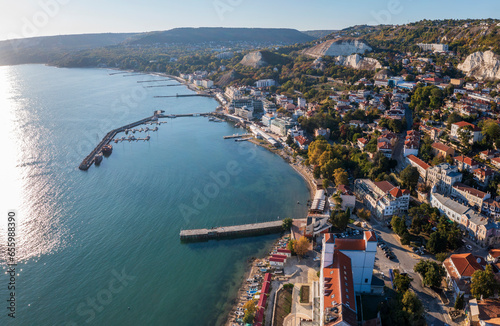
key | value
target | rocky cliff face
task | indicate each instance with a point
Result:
(358, 62)
(336, 48)
(481, 65)
(254, 59)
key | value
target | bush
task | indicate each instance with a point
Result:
(442, 256)
(288, 286)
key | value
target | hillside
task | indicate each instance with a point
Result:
(338, 47)
(219, 34)
(319, 33)
(42, 49)
(258, 59)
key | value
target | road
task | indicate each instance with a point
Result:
(405, 260)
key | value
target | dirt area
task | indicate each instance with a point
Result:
(284, 305)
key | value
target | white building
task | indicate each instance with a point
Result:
(421, 166)
(443, 177)
(475, 132)
(346, 270)
(265, 83)
(244, 112)
(382, 198)
(435, 47)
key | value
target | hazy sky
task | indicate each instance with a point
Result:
(28, 18)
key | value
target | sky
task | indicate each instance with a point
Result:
(30, 18)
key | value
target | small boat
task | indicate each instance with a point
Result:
(211, 119)
(107, 149)
(98, 158)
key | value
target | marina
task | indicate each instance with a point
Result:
(237, 136)
(235, 231)
(110, 136)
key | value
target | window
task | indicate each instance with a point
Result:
(366, 280)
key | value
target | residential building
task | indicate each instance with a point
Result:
(459, 269)
(496, 162)
(362, 142)
(443, 177)
(476, 134)
(440, 149)
(434, 47)
(412, 143)
(470, 196)
(302, 142)
(465, 163)
(347, 196)
(483, 175)
(265, 83)
(493, 255)
(484, 312)
(421, 166)
(346, 270)
(382, 198)
(491, 208)
(487, 155)
(244, 112)
(280, 126)
(385, 148)
(322, 132)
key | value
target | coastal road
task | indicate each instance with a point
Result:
(435, 312)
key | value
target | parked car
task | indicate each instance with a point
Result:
(469, 247)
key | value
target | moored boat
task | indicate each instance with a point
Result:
(98, 158)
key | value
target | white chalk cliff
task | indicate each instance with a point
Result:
(359, 62)
(481, 65)
(336, 48)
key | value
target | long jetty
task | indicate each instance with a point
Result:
(172, 85)
(89, 160)
(236, 231)
(183, 95)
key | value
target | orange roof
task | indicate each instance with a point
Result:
(338, 285)
(350, 244)
(494, 253)
(496, 159)
(473, 191)
(329, 238)
(441, 147)
(384, 186)
(466, 160)
(418, 161)
(462, 124)
(363, 140)
(370, 236)
(465, 264)
(396, 192)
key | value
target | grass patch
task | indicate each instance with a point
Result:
(304, 294)
(283, 305)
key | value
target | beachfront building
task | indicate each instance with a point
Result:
(280, 126)
(245, 112)
(382, 198)
(346, 270)
(443, 177)
(347, 196)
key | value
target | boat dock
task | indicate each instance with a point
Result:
(110, 136)
(172, 85)
(237, 136)
(236, 231)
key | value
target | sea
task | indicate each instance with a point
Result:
(102, 247)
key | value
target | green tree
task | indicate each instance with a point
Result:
(491, 130)
(341, 177)
(339, 219)
(401, 281)
(409, 177)
(431, 272)
(483, 283)
(301, 247)
(436, 243)
(287, 223)
(465, 136)
(398, 225)
(326, 183)
(291, 246)
(441, 256)
(413, 306)
(459, 302)
(364, 214)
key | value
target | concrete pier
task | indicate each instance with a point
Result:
(236, 231)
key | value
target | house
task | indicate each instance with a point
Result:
(471, 196)
(273, 261)
(483, 175)
(485, 312)
(382, 198)
(347, 196)
(465, 163)
(475, 131)
(493, 255)
(496, 162)
(443, 177)
(487, 155)
(421, 166)
(440, 149)
(285, 252)
(362, 142)
(322, 132)
(491, 208)
(357, 123)
(388, 137)
(459, 269)
(385, 148)
(302, 142)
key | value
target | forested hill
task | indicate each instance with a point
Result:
(43, 49)
(219, 34)
(462, 36)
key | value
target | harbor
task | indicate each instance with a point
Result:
(96, 154)
(235, 231)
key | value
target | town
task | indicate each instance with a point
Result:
(404, 172)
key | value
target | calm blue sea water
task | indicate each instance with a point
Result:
(102, 247)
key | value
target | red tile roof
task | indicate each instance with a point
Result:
(473, 191)
(441, 147)
(465, 264)
(462, 124)
(350, 244)
(465, 159)
(495, 253)
(396, 192)
(278, 260)
(329, 238)
(364, 141)
(418, 161)
(279, 256)
(370, 236)
(284, 251)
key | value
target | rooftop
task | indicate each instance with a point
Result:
(350, 244)
(418, 161)
(441, 147)
(473, 191)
